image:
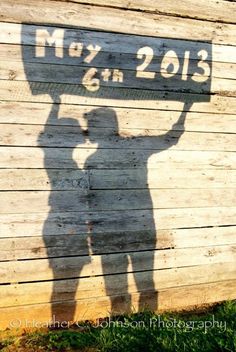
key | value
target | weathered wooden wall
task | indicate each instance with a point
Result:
(77, 194)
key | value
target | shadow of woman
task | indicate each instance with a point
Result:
(66, 133)
(103, 117)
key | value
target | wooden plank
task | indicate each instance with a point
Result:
(100, 200)
(60, 158)
(136, 98)
(212, 10)
(85, 266)
(12, 34)
(37, 179)
(74, 75)
(21, 113)
(168, 299)
(138, 139)
(40, 292)
(28, 224)
(111, 19)
(157, 178)
(126, 61)
(63, 245)
(165, 177)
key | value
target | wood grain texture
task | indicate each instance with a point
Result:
(88, 205)
(212, 10)
(11, 33)
(67, 267)
(220, 69)
(28, 224)
(111, 19)
(108, 138)
(102, 200)
(25, 157)
(136, 98)
(128, 118)
(62, 179)
(168, 299)
(73, 75)
(40, 292)
(17, 248)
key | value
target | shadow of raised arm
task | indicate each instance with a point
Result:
(54, 112)
(172, 137)
(166, 140)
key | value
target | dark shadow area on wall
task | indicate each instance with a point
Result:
(103, 65)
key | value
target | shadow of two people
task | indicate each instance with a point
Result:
(180, 70)
(70, 130)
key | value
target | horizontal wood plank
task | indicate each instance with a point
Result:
(38, 179)
(85, 266)
(40, 292)
(64, 245)
(212, 10)
(136, 98)
(74, 115)
(111, 19)
(164, 177)
(28, 224)
(36, 72)
(22, 55)
(61, 158)
(12, 33)
(168, 299)
(138, 139)
(100, 200)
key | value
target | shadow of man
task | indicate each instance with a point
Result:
(107, 117)
(66, 132)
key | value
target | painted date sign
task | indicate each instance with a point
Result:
(118, 66)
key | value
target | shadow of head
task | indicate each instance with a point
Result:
(101, 118)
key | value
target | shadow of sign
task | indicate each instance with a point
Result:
(77, 62)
